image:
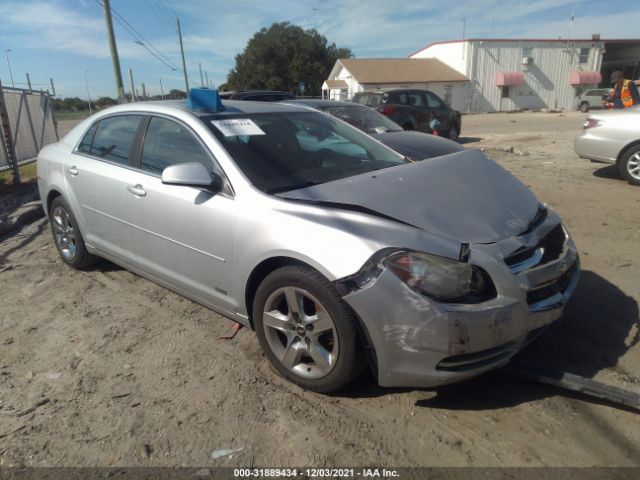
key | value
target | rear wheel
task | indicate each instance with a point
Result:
(454, 133)
(306, 330)
(629, 165)
(584, 107)
(67, 236)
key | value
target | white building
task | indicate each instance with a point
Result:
(512, 74)
(352, 75)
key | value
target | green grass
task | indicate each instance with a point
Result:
(71, 115)
(27, 175)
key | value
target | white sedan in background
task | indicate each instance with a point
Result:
(613, 136)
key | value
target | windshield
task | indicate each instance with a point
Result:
(290, 150)
(364, 118)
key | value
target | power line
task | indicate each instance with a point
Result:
(141, 39)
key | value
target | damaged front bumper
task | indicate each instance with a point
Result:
(420, 342)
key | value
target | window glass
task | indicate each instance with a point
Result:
(400, 98)
(527, 51)
(114, 138)
(416, 99)
(87, 140)
(301, 149)
(433, 101)
(584, 55)
(169, 143)
(363, 118)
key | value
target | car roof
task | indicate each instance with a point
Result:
(318, 103)
(232, 107)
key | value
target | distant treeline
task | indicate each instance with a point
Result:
(76, 104)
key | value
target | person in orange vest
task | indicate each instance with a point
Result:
(624, 93)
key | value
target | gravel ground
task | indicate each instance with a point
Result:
(104, 368)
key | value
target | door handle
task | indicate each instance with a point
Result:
(138, 190)
(73, 170)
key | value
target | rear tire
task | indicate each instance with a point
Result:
(67, 236)
(454, 133)
(306, 330)
(629, 165)
(584, 107)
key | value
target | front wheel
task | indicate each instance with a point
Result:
(584, 107)
(306, 330)
(67, 236)
(629, 165)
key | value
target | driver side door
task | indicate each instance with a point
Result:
(184, 234)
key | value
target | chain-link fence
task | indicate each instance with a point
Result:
(26, 123)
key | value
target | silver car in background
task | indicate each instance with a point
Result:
(336, 250)
(613, 136)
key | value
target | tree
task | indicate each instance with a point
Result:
(104, 102)
(282, 56)
(176, 94)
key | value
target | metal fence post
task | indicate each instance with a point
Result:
(8, 145)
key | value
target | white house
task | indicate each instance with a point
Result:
(352, 75)
(511, 74)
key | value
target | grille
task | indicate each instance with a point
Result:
(548, 249)
(558, 286)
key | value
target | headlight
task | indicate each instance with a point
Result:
(439, 278)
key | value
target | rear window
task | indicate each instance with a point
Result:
(114, 137)
(368, 99)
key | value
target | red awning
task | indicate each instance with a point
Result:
(508, 79)
(585, 78)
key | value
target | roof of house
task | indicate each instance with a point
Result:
(400, 70)
(531, 40)
(336, 83)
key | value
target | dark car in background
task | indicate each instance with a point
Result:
(257, 95)
(413, 109)
(414, 145)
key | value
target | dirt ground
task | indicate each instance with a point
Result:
(104, 368)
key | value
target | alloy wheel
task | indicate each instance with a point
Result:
(633, 166)
(300, 332)
(64, 233)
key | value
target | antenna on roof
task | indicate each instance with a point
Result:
(571, 27)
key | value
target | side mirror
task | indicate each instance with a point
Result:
(192, 174)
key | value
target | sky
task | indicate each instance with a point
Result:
(66, 39)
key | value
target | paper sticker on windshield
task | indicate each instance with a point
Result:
(237, 127)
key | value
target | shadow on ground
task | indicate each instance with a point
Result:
(590, 337)
(464, 140)
(610, 172)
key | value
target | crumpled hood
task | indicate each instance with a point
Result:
(463, 196)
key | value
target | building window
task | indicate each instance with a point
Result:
(505, 92)
(527, 51)
(584, 55)
(447, 94)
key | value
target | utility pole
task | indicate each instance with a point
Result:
(161, 90)
(53, 88)
(144, 92)
(29, 83)
(201, 77)
(206, 80)
(133, 90)
(114, 49)
(184, 65)
(6, 52)
(86, 82)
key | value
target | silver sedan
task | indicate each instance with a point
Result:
(613, 136)
(336, 250)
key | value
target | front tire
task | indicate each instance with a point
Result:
(629, 165)
(67, 236)
(584, 107)
(306, 330)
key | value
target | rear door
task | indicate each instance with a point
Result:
(439, 110)
(98, 176)
(183, 234)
